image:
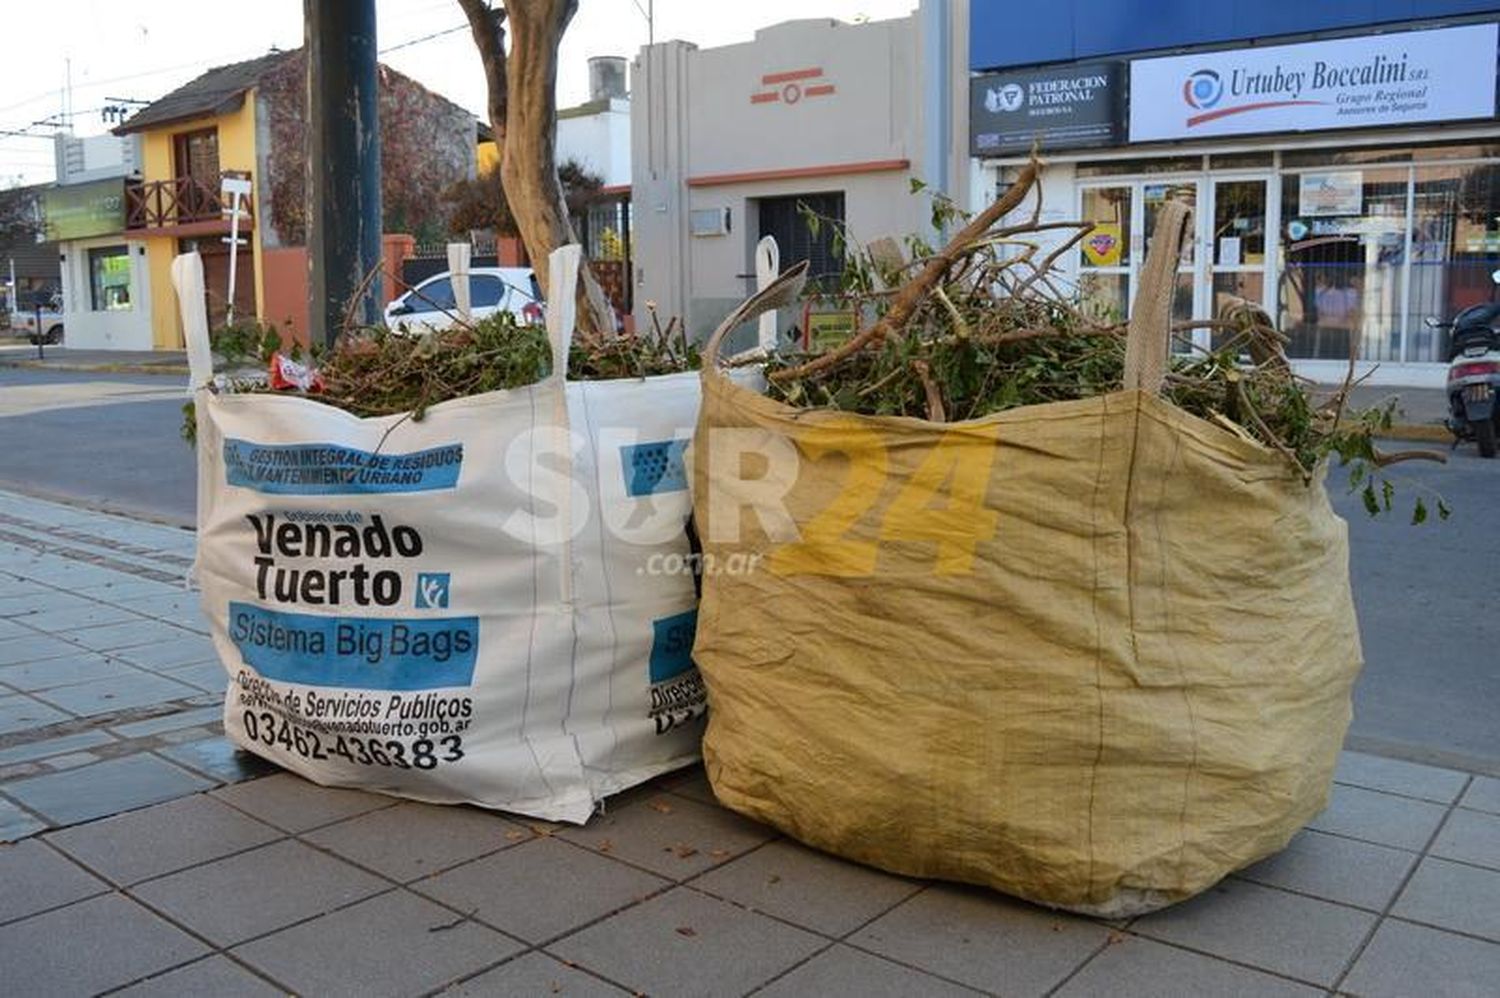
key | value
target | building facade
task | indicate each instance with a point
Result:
(246, 123)
(813, 118)
(1342, 159)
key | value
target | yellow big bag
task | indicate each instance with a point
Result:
(1097, 654)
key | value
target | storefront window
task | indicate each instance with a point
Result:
(1455, 245)
(1343, 246)
(109, 278)
(1104, 254)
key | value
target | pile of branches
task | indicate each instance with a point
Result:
(377, 371)
(986, 324)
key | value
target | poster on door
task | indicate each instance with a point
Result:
(1339, 192)
(1101, 247)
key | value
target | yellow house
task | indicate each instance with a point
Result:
(247, 121)
(191, 140)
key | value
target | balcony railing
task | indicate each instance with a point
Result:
(160, 203)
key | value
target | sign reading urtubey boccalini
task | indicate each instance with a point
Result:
(1402, 78)
(1064, 107)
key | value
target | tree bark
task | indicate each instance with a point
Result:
(528, 136)
(487, 24)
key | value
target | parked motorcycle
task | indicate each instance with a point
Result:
(1474, 373)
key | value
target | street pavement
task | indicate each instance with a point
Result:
(150, 857)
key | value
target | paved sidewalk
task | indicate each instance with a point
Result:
(149, 857)
(62, 358)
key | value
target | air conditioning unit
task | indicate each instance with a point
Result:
(709, 221)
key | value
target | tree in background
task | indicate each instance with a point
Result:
(479, 204)
(522, 105)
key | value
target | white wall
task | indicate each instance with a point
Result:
(89, 330)
(599, 140)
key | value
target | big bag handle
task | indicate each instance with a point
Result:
(562, 304)
(187, 281)
(1149, 338)
(780, 293)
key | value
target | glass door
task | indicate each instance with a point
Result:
(1185, 302)
(1104, 258)
(1236, 246)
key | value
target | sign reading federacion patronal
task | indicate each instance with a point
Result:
(1403, 78)
(1069, 107)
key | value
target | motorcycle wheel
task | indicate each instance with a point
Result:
(1484, 435)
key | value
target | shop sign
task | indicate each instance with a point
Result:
(78, 211)
(1069, 107)
(1401, 78)
(1340, 192)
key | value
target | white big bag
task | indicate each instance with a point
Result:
(490, 605)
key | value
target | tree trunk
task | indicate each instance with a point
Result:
(487, 24)
(523, 112)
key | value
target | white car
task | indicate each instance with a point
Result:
(430, 305)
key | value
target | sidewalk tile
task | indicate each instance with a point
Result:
(842, 970)
(1404, 960)
(1142, 968)
(36, 878)
(53, 746)
(693, 783)
(105, 788)
(1379, 817)
(1336, 869)
(17, 651)
(983, 939)
(672, 836)
(128, 848)
(216, 976)
(217, 757)
(207, 676)
(123, 590)
(1483, 795)
(1284, 933)
(62, 621)
(133, 634)
(122, 691)
(540, 888)
(169, 722)
(1397, 776)
(79, 667)
(297, 805)
(395, 944)
(1453, 896)
(21, 713)
(1470, 837)
(10, 629)
(683, 943)
(173, 653)
(807, 888)
(89, 947)
(534, 974)
(245, 895)
(16, 824)
(414, 840)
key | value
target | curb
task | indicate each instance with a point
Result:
(175, 370)
(1418, 432)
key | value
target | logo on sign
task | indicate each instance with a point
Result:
(432, 590)
(1202, 89)
(1007, 98)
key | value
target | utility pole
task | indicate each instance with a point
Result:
(343, 164)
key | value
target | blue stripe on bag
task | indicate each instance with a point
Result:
(313, 469)
(654, 467)
(672, 645)
(366, 653)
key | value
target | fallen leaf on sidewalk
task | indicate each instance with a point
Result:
(719, 853)
(681, 850)
(516, 835)
(1115, 937)
(605, 845)
(659, 805)
(686, 930)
